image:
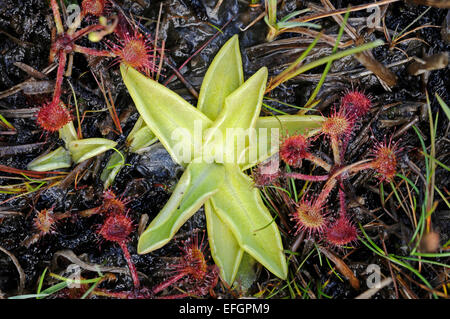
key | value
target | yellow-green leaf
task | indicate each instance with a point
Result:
(239, 205)
(195, 186)
(224, 75)
(165, 113)
(86, 148)
(225, 249)
(59, 158)
(269, 130)
(112, 168)
(140, 136)
(236, 121)
(68, 133)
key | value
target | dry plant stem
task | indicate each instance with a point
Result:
(182, 79)
(372, 291)
(70, 178)
(342, 267)
(18, 87)
(342, 11)
(19, 269)
(365, 58)
(444, 4)
(30, 70)
(298, 241)
(198, 51)
(313, 34)
(19, 149)
(32, 174)
(390, 267)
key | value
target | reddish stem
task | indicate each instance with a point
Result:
(131, 266)
(329, 185)
(318, 161)
(179, 296)
(335, 148)
(106, 293)
(304, 177)
(57, 17)
(78, 34)
(59, 76)
(169, 282)
(363, 166)
(342, 199)
(94, 52)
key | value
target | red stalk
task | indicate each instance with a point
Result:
(59, 76)
(131, 266)
(304, 177)
(169, 282)
(57, 17)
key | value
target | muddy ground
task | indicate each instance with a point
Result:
(25, 36)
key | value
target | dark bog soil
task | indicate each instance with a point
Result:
(25, 36)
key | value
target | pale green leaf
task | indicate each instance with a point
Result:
(140, 136)
(271, 9)
(112, 168)
(443, 105)
(291, 124)
(68, 133)
(195, 186)
(84, 149)
(59, 158)
(238, 118)
(167, 114)
(224, 75)
(293, 24)
(294, 14)
(294, 70)
(240, 206)
(225, 249)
